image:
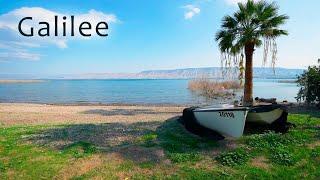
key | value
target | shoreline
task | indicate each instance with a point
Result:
(128, 104)
(13, 81)
(100, 104)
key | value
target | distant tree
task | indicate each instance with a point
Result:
(254, 24)
(309, 83)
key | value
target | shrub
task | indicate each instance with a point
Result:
(210, 88)
(309, 83)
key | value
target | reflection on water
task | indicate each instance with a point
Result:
(127, 91)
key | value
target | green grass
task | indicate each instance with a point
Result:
(166, 152)
(80, 149)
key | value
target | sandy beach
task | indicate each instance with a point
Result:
(54, 114)
(24, 113)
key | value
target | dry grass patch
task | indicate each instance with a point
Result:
(212, 88)
(140, 154)
(104, 136)
(11, 173)
(260, 162)
(314, 144)
(41, 159)
(80, 167)
(224, 145)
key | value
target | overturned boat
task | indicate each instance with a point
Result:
(267, 114)
(272, 116)
(227, 121)
(231, 120)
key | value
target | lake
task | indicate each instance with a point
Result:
(142, 91)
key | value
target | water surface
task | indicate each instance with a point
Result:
(127, 91)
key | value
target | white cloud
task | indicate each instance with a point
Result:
(191, 11)
(11, 39)
(25, 44)
(19, 55)
(14, 50)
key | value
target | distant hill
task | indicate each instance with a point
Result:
(216, 72)
(188, 73)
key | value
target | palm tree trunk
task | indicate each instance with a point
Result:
(248, 87)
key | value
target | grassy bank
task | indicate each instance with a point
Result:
(159, 150)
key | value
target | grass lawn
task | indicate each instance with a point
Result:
(158, 150)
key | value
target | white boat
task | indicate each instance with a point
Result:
(267, 114)
(226, 120)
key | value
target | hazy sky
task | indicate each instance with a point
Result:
(143, 35)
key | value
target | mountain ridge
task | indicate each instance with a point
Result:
(184, 73)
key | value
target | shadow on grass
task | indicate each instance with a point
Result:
(257, 128)
(253, 128)
(139, 142)
(124, 112)
(311, 111)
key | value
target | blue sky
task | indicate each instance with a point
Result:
(144, 35)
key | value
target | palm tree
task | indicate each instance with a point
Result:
(253, 25)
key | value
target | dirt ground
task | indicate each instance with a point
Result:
(21, 114)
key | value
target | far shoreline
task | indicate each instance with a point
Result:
(13, 81)
(98, 104)
(291, 104)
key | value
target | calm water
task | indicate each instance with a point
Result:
(126, 91)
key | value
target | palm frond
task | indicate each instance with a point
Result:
(229, 22)
(257, 23)
(274, 21)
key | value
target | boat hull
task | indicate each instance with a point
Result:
(226, 121)
(266, 114)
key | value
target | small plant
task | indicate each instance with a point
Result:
(234, 158)
(80, 149)
(193, 173)
(147, 165)
(282, 157)
(271, 139)
(315, 153)
(2, 167)
(266, 140)
(148, 140)
(184, 157)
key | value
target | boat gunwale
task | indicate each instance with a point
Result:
(222, 109)
(266, 108)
